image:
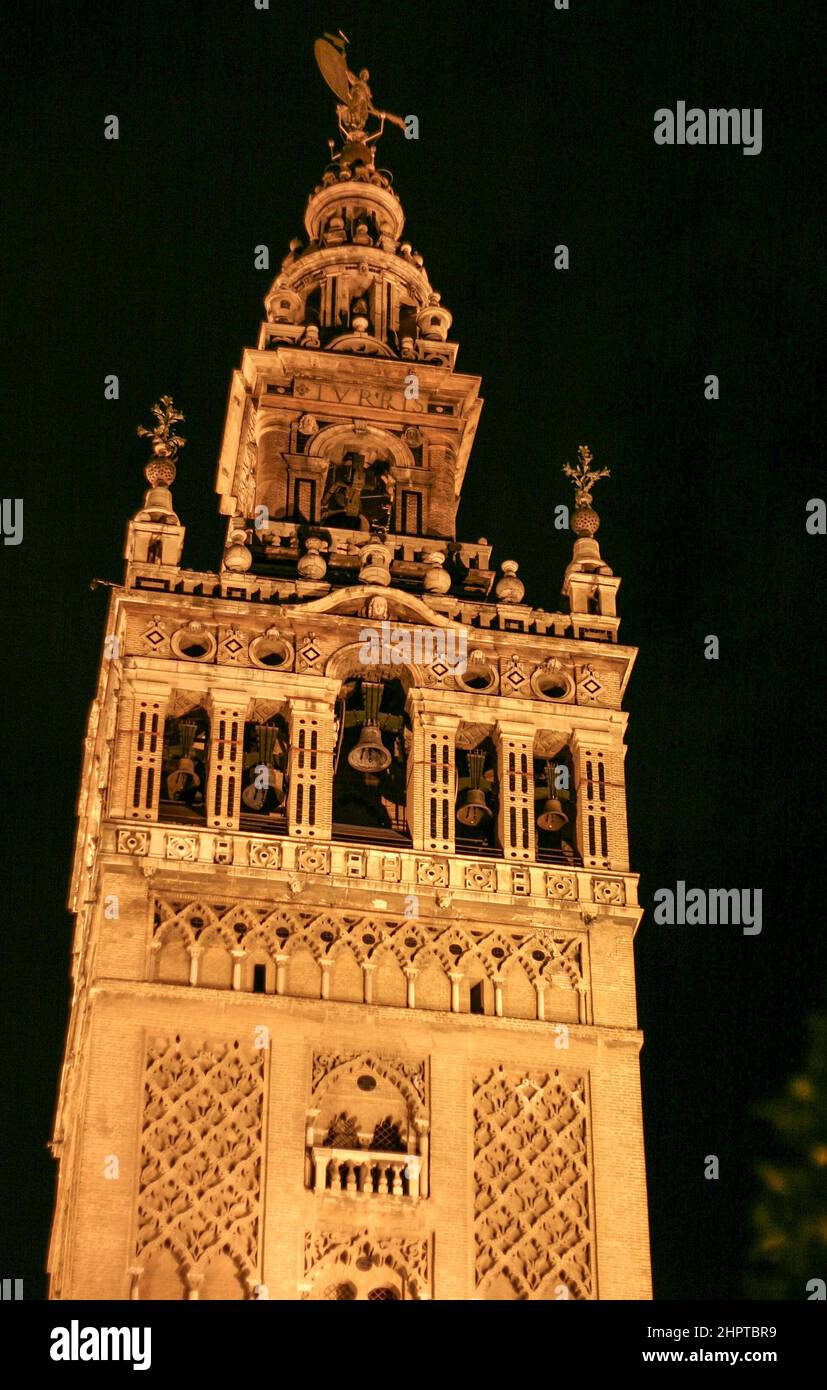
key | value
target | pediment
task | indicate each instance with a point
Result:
(377, 603)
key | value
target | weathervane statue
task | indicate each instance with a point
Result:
(356, 101)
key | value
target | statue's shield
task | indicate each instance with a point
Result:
(332, 66)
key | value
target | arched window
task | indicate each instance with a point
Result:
(384, 1293)
(477, 801)
(370, 767)
(555, 809)
(184, 769)
(264, 778)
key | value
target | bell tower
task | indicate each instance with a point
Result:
(353, 1009)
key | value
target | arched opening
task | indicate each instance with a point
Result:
(264, 777)
(363, 1136)
(162, 1279)
(173, 963)
(223, 1281)
(359, 492)
(477, 802)
(555, 809)
(184, 769)
(370, 767)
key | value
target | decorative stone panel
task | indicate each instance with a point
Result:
(533, 1227)
(352, 1265)
(264, 854)
(199, 1194)
(133, 842)
(182, 847)
(481, 877)
(609, 890)
(561, 885)
(313, 859)
(432, 872)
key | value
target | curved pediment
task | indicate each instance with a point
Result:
(377, 603)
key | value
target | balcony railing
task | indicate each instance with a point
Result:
(371, 1173)
(178, 813)
(559, 856)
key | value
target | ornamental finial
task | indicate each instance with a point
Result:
(585, 520)
(165, 445)
(584, 477)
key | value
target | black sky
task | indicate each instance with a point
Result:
(536, 128)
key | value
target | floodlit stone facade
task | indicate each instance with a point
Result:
(354, 997)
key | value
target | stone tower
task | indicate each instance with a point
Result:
(353, 1006)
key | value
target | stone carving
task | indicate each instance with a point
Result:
(223, 849)
(154, 637)
(521, 881)
(264, 854)
(408, 1077)
(356, 861)
(391, 868)
(561, 885)
(433, 872)
(514, 678)
(313, 859)
(182, 847)
(328, 1254)
(532, 1210)
(589, 686)
(133, 842)
(232, 649)
(609, 890)
(286, 928)
(201, 1154)
(482, 877)
(309, 653)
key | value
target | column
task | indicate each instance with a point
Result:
(516, 821)
(602, 837)
(431, 777)
(310, 798)
(228, 710)
(140, 745)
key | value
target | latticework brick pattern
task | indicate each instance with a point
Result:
(533, 1230)
(201, 1155)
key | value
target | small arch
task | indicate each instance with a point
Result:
(216, 968)
(347, 983)
(303, 974)
(433, 988)
(223, 1281)
(173, 964)
(519, 994)
(162, 1279)
(390, 987)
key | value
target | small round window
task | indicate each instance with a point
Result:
(366, 1083)
(270, 651)
(478, 678)
(193, 643)
(552, 684)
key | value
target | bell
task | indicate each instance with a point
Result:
(474, 809)
(369, 755)
(552, 816)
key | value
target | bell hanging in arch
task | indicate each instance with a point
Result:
(369, 755)
(474, 809)
(552, 817)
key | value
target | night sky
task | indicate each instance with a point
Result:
(536, 128)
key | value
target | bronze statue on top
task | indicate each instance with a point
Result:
(356, 102)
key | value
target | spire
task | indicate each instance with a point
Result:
(355, 286)
(155, 535)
